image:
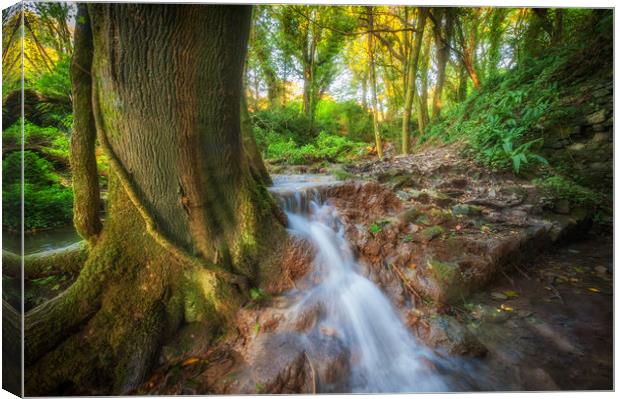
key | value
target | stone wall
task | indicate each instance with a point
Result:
(582, 147)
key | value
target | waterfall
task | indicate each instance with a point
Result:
(385, 357)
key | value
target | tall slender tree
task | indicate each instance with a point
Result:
(373, 83)
(412, 78)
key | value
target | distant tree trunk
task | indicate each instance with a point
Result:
(410, 90)
(462, 88)
(443, 19)
(494, 53)
(373, 84)
(558, 26)
(467, 37)
(86, 206)
(188, 227)
(365, 92)
(469, 63)
(423, 95)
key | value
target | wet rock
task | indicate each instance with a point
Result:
(602, 270)
(537, 379)
(286, 363)
(309, 317)
(576, 147)
(445, 332)
(285, 373)
(562, 207)
(295, 262)
(466, 210)
(498, 296)
(368, 200)
(596, 117)
(600, 166)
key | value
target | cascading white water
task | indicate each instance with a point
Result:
(385, 357)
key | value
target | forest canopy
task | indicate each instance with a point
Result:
(330, 84)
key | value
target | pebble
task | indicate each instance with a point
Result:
(600, 269)
(499, 296)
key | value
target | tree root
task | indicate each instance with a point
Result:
(49, 323)
(68, 260)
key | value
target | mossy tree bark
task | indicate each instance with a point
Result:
(188, 224)
(82, 155)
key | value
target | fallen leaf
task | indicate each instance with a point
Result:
(507, 308)
(457, 227)
(511, 294)
(593, 289)
(190, 361)
(413, 266)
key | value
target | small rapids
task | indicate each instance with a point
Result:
(384, 356)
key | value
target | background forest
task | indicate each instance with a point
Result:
(329, 86)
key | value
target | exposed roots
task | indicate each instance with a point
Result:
(68, 260)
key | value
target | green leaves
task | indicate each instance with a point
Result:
(375, 228)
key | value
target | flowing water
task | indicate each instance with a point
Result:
(385, 357)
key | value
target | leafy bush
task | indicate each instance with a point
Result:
(562, 188)
(288, 122)
(57, 82)
(54, 140)
(47, 203)
(347, 118)
(503, 123)
(326, 148)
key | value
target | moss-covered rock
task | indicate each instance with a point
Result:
(431, 232)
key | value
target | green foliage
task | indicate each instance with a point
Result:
(57, 82)
(503, 124)
(49, 140)
(282, 135)
(258, 295)
(46, 202)
(562, 188)
(288, 122)
(375, 228)
(347, 118)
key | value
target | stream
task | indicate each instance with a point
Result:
(45, 240)
(385, 356)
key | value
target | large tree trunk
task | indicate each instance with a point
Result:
(188, 226)
(82, 156)
(410, 90)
